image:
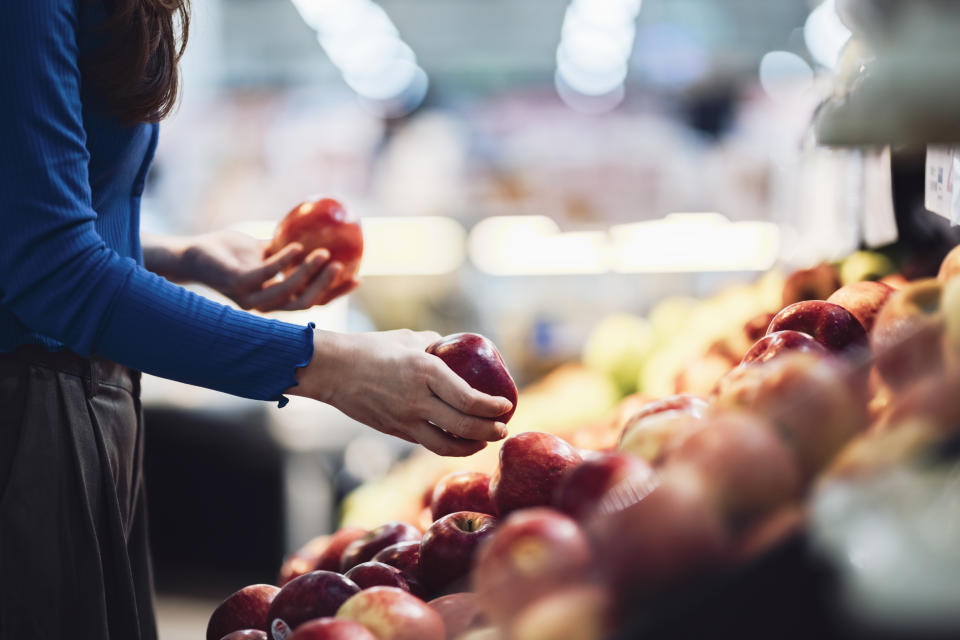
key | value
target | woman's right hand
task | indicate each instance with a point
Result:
(387, 380)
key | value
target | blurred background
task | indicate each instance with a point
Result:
(528, 170)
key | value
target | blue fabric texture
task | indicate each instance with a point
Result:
(71, 273)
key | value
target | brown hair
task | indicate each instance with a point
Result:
(136, 70)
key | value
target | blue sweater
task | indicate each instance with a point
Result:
(71, 271)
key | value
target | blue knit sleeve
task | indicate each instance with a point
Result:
(57, 274)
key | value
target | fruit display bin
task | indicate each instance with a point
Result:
(805, 488)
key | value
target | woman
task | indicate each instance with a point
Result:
(83, 307)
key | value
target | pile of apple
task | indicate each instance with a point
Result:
(560, 542)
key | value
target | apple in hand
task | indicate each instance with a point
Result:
(322, 224)
(863, 299)
(746, 465)
(448, 547)
(462, 491)
(405, 556)
(608, 482)
(672, 533)
(393, 614)
(332, 629)
(377, 574)
(243, 609)
(830, 324)
(367, 546)
(778, 342)
(475, 359)
(950, 266)
(531, 467)
(532, 552)
(460, 612)
(908, 335)
(314, 595)
(246, 634)
(329, 559)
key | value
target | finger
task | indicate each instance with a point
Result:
(444, 444)
(338, 291)
(276, 295)
(460, 424)
(453, 390)
(314, 290)
(273, 265)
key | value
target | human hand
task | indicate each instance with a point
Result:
(233, 264)
(387, 380)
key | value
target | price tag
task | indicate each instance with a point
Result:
(940, 197)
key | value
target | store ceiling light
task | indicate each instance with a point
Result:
(825, 35)
(594, 52)
(364, 44)
(694, 243)
(682, 242)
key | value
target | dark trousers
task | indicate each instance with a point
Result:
(74, 552)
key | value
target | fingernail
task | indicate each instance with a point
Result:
(501, 429)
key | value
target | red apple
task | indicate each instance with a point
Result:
(830, 324)
(674, 532)
(950, 266)
(377, 574)
(246, 634)
(908, 335)
(816, 283)
(448, 547)
(581, 612)
(322, 224)
(332, 629)
(863, 299)
(393, 614)
(812, 402)
(244, 609)
(460, 612)
(406, 557)
(531, 553)
(475, 359)
(531, 466)
(314, 595)
(462, 491)
(606, 483)
(329, 560)
(778, 342)
(364, 548)
(748, 468)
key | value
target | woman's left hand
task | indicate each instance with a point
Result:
(232, 263)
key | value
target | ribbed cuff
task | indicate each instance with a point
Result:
(281, 399)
